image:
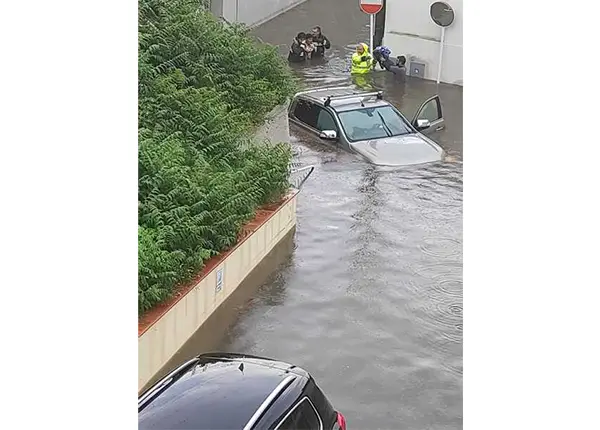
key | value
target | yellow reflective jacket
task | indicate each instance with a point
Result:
(360, 67)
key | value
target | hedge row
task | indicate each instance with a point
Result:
(202, 88)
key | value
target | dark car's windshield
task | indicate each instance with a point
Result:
(373, 123)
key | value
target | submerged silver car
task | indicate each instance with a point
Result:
(364, 123)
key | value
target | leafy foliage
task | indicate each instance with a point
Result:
(202, 89)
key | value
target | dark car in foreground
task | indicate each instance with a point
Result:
(234, 391)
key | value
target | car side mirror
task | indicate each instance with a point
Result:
(422, 124)
(328, 134)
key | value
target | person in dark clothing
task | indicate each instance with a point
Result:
(381, 55)
(297, 53)
(399, 69)
(396, 66)
(320, 41)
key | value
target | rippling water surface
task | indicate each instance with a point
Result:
(371, 299)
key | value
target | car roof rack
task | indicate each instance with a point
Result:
(164, 383)
(268, 401)
(362, 96)
(319, 89)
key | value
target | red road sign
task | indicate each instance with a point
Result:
(370, 7)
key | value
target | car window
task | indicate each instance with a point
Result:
(302, 417)
(430, 111)
(307, 113)
(373, 123)
(325, 120)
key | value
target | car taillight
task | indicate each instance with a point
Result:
(341, 421)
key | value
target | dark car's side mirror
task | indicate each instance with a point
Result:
(328, 135)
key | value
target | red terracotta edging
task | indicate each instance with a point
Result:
(150, 317)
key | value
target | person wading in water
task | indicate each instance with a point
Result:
(397, 66)
(321, 42)
(362, 62)
(297, 52)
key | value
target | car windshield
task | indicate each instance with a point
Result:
(373, 123)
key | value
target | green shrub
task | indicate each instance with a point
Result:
(202, 89)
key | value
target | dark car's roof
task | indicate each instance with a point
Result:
(214, 392)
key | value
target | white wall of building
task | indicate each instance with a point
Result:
(410, 31)
(251, 12)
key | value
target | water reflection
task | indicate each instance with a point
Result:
(363, 82)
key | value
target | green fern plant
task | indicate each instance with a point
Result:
(202, 89)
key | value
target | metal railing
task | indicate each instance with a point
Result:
(299, 176)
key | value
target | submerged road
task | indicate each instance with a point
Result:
(371, 299)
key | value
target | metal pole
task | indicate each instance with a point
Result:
(439, 75)
(371, 30)
(237, 11)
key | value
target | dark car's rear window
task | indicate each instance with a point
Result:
(303, 416)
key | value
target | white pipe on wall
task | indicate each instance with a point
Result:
(439, 75)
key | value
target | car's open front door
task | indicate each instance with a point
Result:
(428, 118)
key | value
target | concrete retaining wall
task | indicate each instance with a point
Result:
(165, 329)
(212, 335)
(160, 340)
(251, 12)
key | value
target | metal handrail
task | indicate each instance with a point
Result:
(303, 180)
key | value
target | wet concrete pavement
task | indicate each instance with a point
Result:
(370, 300)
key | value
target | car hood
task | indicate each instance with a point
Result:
(399, 150)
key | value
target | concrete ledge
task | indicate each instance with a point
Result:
(166, 328)
(283, 9)
(252, 13)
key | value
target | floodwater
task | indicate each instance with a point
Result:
(370, 300)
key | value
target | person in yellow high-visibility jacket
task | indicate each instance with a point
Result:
(362, 61)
